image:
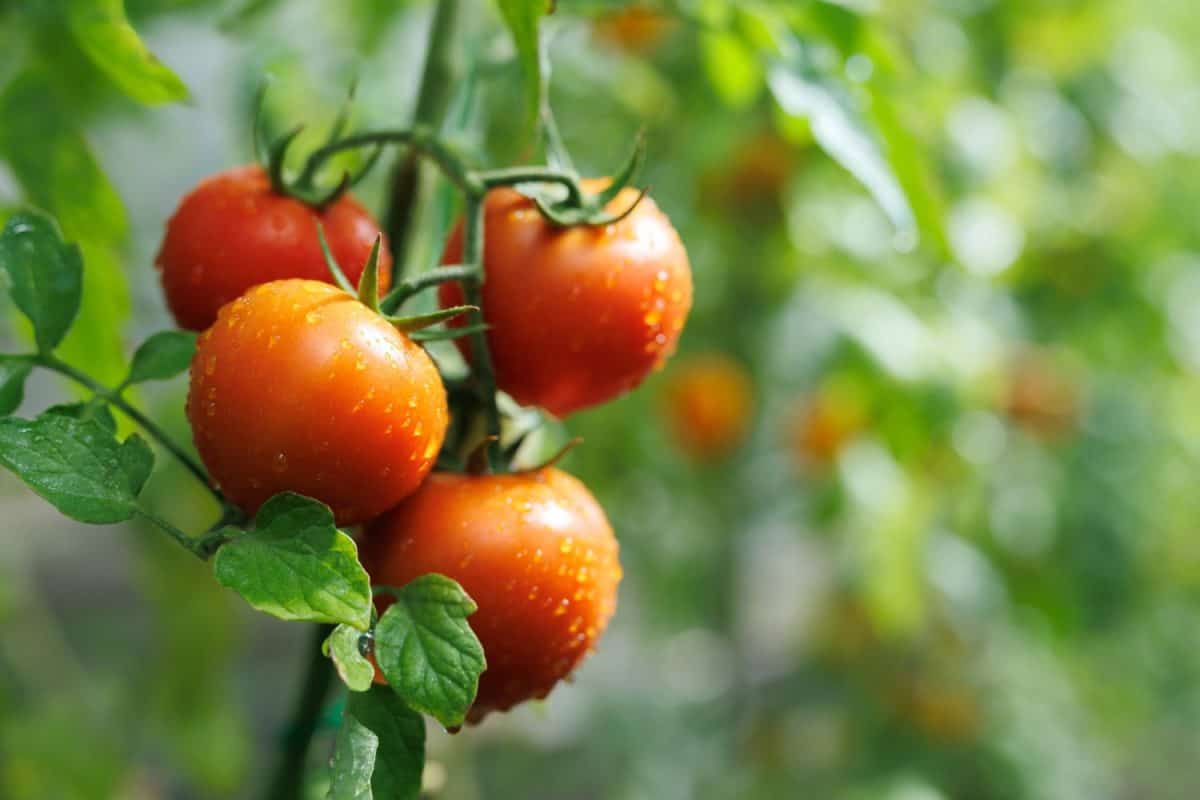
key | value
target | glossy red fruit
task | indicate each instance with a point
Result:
(299, 387)
(534, 551)
(232, 232)
(578, 315)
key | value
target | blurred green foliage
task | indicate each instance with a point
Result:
(952, 243)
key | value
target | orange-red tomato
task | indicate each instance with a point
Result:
(752, 184)
(299, 387)
(707, 403)
(533, 550)
(578, 315)
(232, 232)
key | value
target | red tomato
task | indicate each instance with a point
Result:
(232, 232)
(299, 387)
(707, 403)
(578, 315)
(536, 554)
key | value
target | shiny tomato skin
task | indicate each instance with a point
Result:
(232, 232)
(299, 387)
(708, 402)
(533, 550)
(578, 315)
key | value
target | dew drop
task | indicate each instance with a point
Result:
(280, 463)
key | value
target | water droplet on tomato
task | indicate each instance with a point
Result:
(279, 463)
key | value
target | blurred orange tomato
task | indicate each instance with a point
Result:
(824, 423)
(635, 29)
(708, 402)
(1041, 397)
(752, 183)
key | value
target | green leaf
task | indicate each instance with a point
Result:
(41, 143)
(45, 275)
(380, 750)
(77, 465)
(428, 652)
(13, 372)
(96, 410)
(103, 32)
(344, 647)
(164, 355)
(842, 133)
(297, 565)
(522, 17)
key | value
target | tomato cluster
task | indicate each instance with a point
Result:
(298, 386)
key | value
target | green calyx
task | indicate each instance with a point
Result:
(368, 294)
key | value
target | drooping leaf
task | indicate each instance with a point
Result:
(41, 143)
(427, 651)
(380, 751)
(102, 30)
(297, 565)
(77, 464)
(522, 17)
(13, 372)
(842, 133)
(164, 355)
(343, 646)
(45, 275)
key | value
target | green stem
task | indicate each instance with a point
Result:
(420, 283)
(115, 399)
(484, 374)
(414, 186)
(419, 139)
(201, 548)
(288, 782)
(512, 175)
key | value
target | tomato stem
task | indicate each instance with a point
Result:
(199, 547)
(413, 286)
(484, 374)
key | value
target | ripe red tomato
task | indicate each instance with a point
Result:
(707, 403)
(578, 315)
(299, 387)
(534, 551)
(232, 232)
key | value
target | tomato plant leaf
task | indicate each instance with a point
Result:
(77, 464)
(522, 17)
(842, 133)
(297, 565)
(96, 410)
(427, 651)
(51, 161)
(45, 275)
(380, 751)
(102, 30)
(164, 355)
(13, 372)
(343, 646)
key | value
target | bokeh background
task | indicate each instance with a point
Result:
(912, 515)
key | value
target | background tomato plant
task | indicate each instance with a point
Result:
(966, 226)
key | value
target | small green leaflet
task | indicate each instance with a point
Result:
(77, 464)
(522, 17)
(296, 564)
(164, 355)
(428, 652)
(45, 275)
(343, 647)
(380, 750)
(13, 372)
(104, 33)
